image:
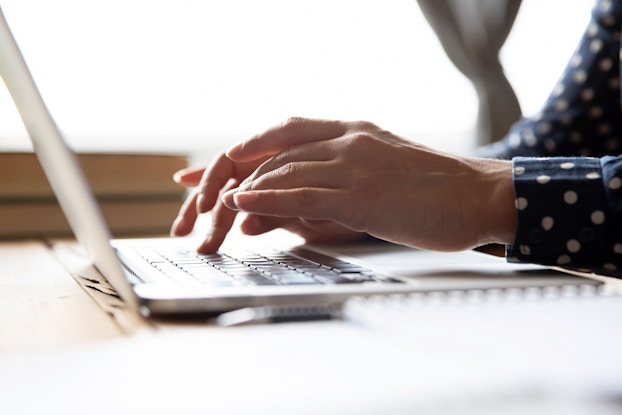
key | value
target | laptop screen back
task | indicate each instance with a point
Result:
(60, 164)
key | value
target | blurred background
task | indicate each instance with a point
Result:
(195, 75)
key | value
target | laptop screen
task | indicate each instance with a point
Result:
(60, 165)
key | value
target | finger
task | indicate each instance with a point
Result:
(189, 177)
(295, 175)
(214, 178)
(307, 203)
(288, 176)
(222, 221)
(290, 159)
(187, 216)
(256, 225)
(294, 131)
(217, 175)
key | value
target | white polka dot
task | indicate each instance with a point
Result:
(519, 170)
(573, 246)
(550, 144)
(614, 83)
(521, 203)
(525, 249)
(598, 217)
(592, 30)
(579, 76)
(544, 179)
(570, 197)
(587, 94)
(547, 223)
(514, 140)
(615, 183)
(558, 90)
(544, 127)
(609, 21)
(604, 128)
(530, 138)
(567, 166)
(605, 64)
(560, 105)
(609, 266)
(606, 5)
(576, 137)
(596, 112)
(563, 260)
(593, 175)
(596, 45)
(617, 248)
(576, 60)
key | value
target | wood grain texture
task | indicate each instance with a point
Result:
(41, 305)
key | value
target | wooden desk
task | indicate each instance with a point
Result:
(62, 352)
(42, 306)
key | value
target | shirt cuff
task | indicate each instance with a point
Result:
(562, 214)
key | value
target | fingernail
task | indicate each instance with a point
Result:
(201, 203)
(203, 248)
(177, 176)
(234, 149)
(243, 199)
(228, 199)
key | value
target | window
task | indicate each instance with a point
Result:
(200, 73)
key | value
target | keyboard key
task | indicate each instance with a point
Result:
(258, 279)
(293, 277)
(336, 279)
(175, 274)
(268, 267)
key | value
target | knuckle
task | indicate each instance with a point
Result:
(281, 157)
(292, 122)
(307, 198)
(364, 125)
(289, 169)
(358, 139)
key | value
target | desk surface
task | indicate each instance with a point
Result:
(61, 345)
(41, 306)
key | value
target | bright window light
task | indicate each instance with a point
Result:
(201, 73)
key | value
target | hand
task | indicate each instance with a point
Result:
(224, 174)
(365, 179)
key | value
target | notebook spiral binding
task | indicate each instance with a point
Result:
(478, 296)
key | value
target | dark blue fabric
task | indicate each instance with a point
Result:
(567, 163)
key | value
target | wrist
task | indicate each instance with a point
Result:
(496, 209)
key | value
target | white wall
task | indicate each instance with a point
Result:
(197, 73)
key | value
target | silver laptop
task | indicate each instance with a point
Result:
(162, 276)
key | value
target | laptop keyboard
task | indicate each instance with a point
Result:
(299, 266)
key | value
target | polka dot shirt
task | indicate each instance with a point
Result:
(567, 160)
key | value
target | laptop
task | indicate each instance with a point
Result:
(164, 276)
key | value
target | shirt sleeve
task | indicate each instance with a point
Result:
(569, 213)
(582, 116)
(566, 160)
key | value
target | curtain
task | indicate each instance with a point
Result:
(472, 33)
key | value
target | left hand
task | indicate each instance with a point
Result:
(369, 180)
